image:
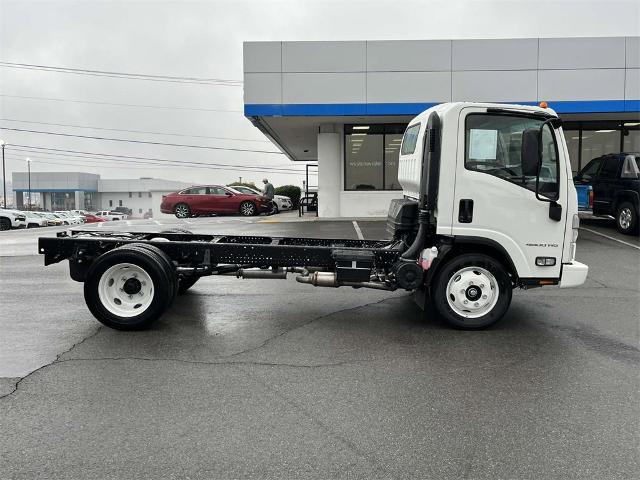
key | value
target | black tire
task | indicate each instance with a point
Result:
(627, 218)
(5, 224)
(150, 263)
(185, 283)
(182, 210)
(248, 208)
(473, 292)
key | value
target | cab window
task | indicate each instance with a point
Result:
(493, 145)
(410, 139)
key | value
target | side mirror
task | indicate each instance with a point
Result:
(228, 194)
(530, 152)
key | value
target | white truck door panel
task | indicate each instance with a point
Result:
(504, 210)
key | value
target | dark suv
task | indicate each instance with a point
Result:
(615, 182)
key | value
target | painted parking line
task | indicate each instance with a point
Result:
(358, 231)
(611, 238)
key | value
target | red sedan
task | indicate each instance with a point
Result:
(91, 218)
(213, 199)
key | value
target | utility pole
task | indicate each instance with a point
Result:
(29, 176)
(4, 177)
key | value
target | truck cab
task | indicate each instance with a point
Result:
(494, 184)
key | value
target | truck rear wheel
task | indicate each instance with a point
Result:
(128, 288)
(472, 292)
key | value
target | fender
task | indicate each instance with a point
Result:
(450, 246)
(623, 196)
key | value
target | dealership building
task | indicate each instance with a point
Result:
(87, 191)
(345, 105)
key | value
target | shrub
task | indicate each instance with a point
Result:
(290, 191)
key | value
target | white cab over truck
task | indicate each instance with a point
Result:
(489, 205)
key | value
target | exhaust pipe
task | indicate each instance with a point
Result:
(276, 274)
(319, 279)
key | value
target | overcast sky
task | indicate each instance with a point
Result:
(204, 39)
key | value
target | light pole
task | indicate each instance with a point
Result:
(4, 177)
(29, 176)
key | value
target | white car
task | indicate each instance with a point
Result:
(282, 202)
(110, 215)
(71, 218)
(12, 219)
(34, 220)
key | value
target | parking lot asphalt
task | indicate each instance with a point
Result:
(274, 379)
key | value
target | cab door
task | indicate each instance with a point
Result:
(494, 195)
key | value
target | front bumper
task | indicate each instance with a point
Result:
(574, 274)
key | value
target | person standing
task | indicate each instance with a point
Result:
(269, 192)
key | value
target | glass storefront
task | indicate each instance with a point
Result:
(371, 155)
(371, 151)
(591, 139)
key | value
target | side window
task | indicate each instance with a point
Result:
(609, 168)
(195, 191)
(493, 146)
(631, 167)
(217, 191)
(591, 169)
(410, 139)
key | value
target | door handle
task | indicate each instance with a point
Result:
(465, 212)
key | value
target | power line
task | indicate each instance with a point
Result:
(147, 160)
(91, 137)
(126, 75)
(91, 102)
(76, 163)
(132, 131)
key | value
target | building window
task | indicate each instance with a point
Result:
(139, 194)
(587, 140)
(139, 210)
(149, 194)
(371, 155)
(130, 195)
(120, 203)
(111, 203)
(572, 138)
(631, 137)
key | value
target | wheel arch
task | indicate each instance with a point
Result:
(625, 196)
(462, 244)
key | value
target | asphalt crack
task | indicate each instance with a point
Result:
(302, 325)
(55, 360)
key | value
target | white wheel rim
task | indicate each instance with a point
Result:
(625, 218)
(472, 292)
(181, 211)
(125, 290)
(247, 209)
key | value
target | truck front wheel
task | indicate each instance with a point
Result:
(472, 292)
(128, 288)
